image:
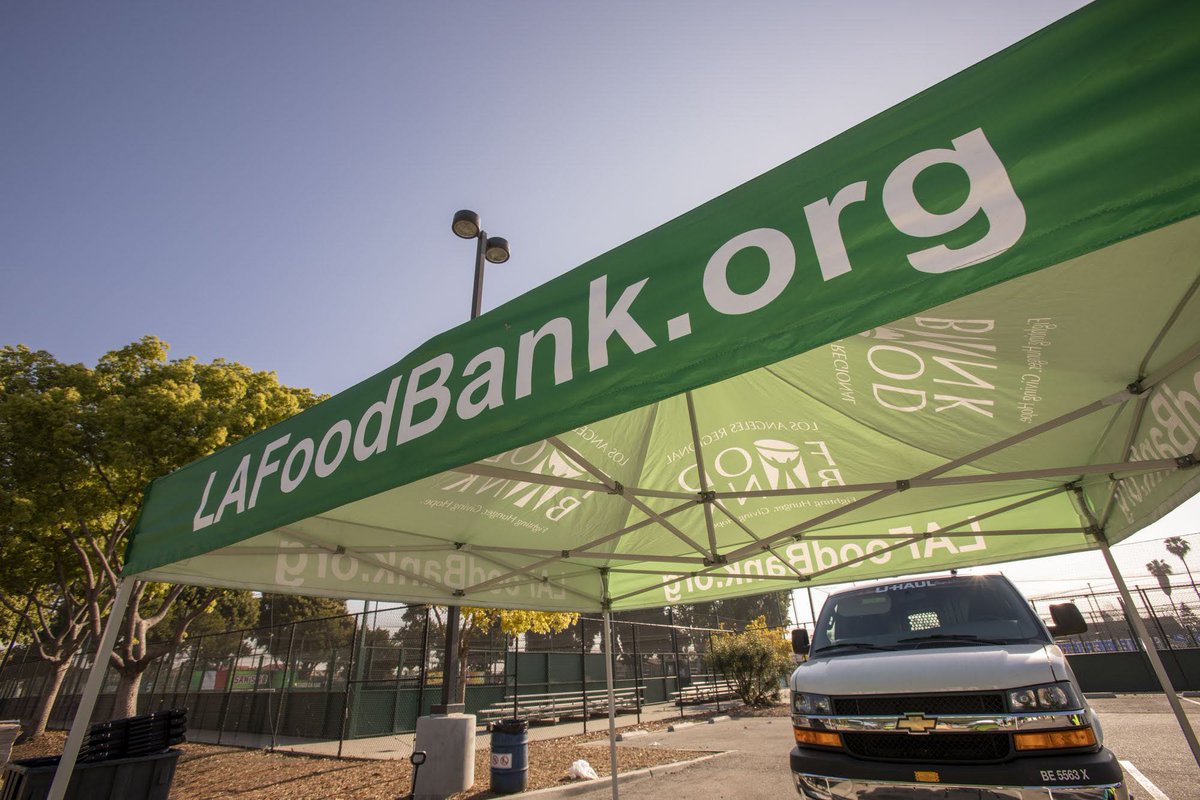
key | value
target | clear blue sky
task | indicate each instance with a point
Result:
(272, 182)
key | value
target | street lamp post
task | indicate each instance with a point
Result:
(466, 225)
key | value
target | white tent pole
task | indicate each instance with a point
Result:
(87, 703)
(1135, 619)
(612, 702)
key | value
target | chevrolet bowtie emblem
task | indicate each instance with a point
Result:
(916, 723)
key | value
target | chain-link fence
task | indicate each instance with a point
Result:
(1170, 619)
(375, 672)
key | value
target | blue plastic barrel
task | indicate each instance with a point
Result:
(510, 756)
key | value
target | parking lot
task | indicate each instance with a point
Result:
(1139, 729)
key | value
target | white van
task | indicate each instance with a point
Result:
(948, 688)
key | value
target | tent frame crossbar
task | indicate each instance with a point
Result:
(528, 571)
(1143, 384)
(1155, 465)
(1009, 441)
(875, 553)
(563, 554)
(619, 490)
(366, 557)
(768, 548)
(706, 495)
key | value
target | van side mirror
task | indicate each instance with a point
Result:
(1067, 620)
(799, 641)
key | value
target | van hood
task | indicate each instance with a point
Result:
(930, 670)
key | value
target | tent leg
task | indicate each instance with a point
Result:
(1135, 619)
(612, 704)
(87, 703)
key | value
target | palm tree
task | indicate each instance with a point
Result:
(1179, 547)
(1162, 571)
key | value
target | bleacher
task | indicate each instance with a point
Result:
(555, 706)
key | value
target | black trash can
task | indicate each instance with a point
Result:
(510, 756)
(138, 778)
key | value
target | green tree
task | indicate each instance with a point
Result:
(322, 627)
(755, 660)
(511, 622)
(79, 445)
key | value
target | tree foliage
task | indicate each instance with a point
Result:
(78, 446)
(755, 660)
(322, 626)
(511, 622)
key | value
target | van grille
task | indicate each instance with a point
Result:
(934, 747)
(875, 705)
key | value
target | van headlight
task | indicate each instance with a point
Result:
(1059, 696)
(807, 705)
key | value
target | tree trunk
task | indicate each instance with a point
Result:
(125, 703)
(460, 691)
(36, 725)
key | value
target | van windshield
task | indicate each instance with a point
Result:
(939, 612)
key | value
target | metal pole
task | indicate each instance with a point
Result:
(675, 655)
(187, 686)
(477, 292)
(716, 684)
(424, 663)
(1150, 610)
(87, 703)
(637, 673)
(229, 689)
(285, 684)
(1152, 653)
(349, 682)
(516, 675)
(362, 658)
(450, 666)
(612, 702)
(583, 668)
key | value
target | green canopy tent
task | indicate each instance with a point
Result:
(965, 331)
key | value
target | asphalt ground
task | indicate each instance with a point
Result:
(753, 760)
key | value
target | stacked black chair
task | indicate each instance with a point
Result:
(134, 736)
(126, 759)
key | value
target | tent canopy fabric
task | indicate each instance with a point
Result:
(965, 331)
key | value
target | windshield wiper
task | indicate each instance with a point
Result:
(860, 645)
(964, 638)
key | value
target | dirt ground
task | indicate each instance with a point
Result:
(208, 771)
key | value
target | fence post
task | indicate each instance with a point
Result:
(1161, 632)
(675, 656)
(229, 690)
(1154, 616)
(637, 673)
(716, 684)
(349, 680)
(516, 674)
(158, 674)
(424, 663)
(187, 686)
(583, 668)
(285, 684)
